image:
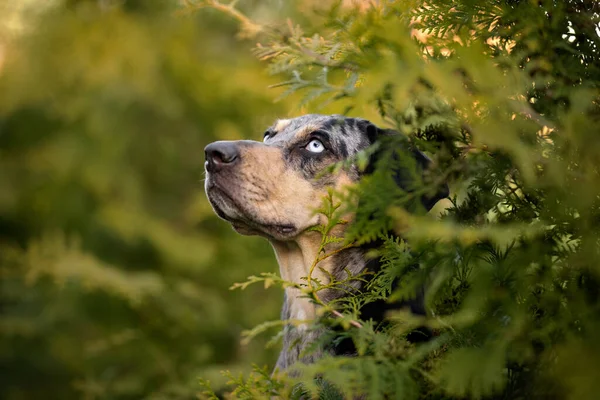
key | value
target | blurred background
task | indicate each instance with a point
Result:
(114, 269)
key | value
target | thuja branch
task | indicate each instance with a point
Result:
(324, 257)
(351, 322)
(249, 27)
(311, 290)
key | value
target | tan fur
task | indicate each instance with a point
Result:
(281, 124)
(295, 259)
(272, 191)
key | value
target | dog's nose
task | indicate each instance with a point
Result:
(221, 154)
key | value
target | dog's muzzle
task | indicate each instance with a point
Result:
(222, 188)
(233, 192)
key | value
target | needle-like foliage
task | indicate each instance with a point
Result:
(504, 96)
(115, 272)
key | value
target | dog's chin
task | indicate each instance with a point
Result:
(270, 231)
(241, 219)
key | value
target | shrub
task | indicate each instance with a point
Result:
(504, 95)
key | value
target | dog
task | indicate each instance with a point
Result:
(272, 189)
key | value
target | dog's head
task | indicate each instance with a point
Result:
(273, 188)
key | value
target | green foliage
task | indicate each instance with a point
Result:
(114, 269)
(505, 97)
(115, 272)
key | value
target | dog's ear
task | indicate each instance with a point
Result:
(410, 164)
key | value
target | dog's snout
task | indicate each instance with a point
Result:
(221, 154)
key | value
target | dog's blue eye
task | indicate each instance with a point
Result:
(315, 146)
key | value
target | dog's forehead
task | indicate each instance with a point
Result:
(288, 128)
(343, 131)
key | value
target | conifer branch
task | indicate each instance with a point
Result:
(249, 27)
(329, 210)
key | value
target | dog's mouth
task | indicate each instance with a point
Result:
(241, 218)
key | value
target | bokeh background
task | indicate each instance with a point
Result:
(114, 270)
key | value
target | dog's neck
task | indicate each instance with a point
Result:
(296, 258)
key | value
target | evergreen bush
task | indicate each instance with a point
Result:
(504, 95)
(115, 272)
